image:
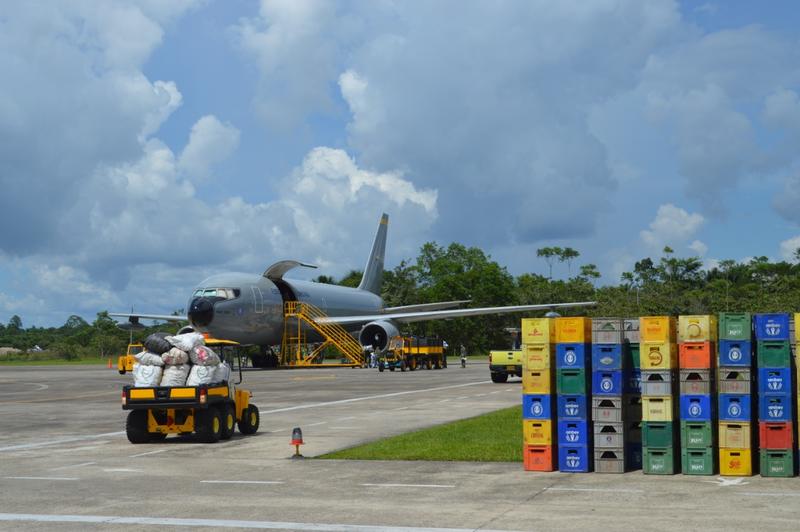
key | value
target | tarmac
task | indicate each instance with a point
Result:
(65, 464)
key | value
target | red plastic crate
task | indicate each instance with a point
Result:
(775, 435)
(540, 458)
(696, 355)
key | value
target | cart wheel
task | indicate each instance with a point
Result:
(208, 425)
(250, 420)
(157, 436)
(136, 427)
(402, 365)
(380, 367)
(437, 364)
(391, 368)
(228, 421)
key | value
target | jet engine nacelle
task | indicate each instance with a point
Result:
(377, 334)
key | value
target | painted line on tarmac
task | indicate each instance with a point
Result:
(57, 442)
(399, 409)
(123, 470)
(368, 397)
(276, 430)
(149, 453)
(317, 424)
(600, 490)
(220, 523)
(770, 493)
(73, 465)
(42, 478)
(242, 482)
(410, 485)
(462, 398)
(40, 387)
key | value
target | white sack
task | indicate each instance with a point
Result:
(203, 356)
(186, 342)
(147, 358)
(175, 356)
(222, 373)
(175, 375)
(145, 376)
(201, 375)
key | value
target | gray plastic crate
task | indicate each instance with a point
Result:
(733, 379)
(607, 330)
(609, 461)
(609, 435)
(607, 409)
(696, 381)
(631, 330)
(659, 382)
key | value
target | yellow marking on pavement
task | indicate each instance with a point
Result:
(316, 378)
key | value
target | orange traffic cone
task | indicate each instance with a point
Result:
(109, 363)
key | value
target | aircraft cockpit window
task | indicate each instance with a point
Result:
(197, 293)
(221, 293)
(210, 292)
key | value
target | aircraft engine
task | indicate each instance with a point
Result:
(377, 334)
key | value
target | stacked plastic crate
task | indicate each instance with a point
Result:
(611, 407)
(659, 362)
(775, 404)
(735, 384)
(697, 358)
(633, 390)
(538, 423)
(573, 359)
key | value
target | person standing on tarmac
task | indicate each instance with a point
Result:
(463, 356)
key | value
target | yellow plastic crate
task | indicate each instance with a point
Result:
(537, 431)
(573, 330)
(538, 356)
(658, 355)
(658, 408)
(538, 331)
(735, 435)
(538, 381)
(657, 329)
(697, 328)
(736, 462)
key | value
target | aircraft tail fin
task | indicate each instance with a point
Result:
(373, 271)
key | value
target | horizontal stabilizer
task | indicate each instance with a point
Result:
(134, 318)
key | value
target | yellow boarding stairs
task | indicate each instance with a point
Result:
(293, 353)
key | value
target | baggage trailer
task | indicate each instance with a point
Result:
(209, 411)
(412, 352)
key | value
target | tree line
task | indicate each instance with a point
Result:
(668, 285)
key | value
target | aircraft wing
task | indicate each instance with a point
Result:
(135, 317)
(410, 317)
(425, 306)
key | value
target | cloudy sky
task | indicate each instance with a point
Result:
(145, 145)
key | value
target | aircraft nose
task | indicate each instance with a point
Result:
(201, 312)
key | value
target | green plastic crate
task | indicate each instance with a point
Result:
(572, 381)
(735, 326)
(698, 461)
(659, 434)
(659, 461)
(632, 355)
(777, 463)
(773, 354)
(698, 434)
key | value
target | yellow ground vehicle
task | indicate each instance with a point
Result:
(412, 352)
(126, 361)
(209, 411)
(502, 364)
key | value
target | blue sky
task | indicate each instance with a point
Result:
(149, 145)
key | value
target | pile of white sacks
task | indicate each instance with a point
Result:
(180, 360)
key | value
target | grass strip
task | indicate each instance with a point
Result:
(59, 362)
(492, 437)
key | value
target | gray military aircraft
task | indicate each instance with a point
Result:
(249, 308)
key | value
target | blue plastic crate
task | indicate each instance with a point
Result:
(536, 406)
(607, 356)
(771, 326)
(608, 382)
(775, 407)
(574, 458)
(570, 356)
(735, 353)
(697, 408)
(633, 455)
(633, 381)
(735, 407)
(573, 432)
(774, 381)
(572, 407)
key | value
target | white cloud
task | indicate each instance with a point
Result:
(699, 247)
(672, 227)
(788, 248)
(210, 142)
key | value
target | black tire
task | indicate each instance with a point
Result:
(228, 421)
(380, 367)
(250, 420)
(428, 364)
(499, 377)
(208, 425)
(402, 365)
(437, 364)
(136, 427)
(391, 368)
(157, 436)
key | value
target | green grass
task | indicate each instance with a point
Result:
(493, 437)
(59, 362)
